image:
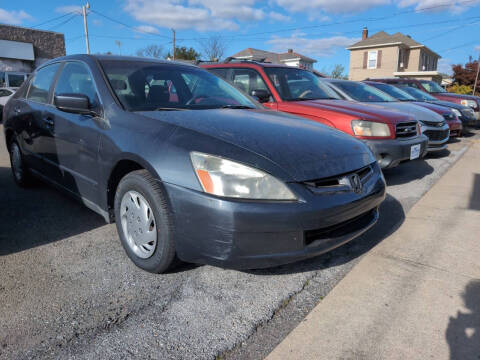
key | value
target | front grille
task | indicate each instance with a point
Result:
(436, 135)
(406, 129)
(339, 182)
(341, 229)
(435, 123)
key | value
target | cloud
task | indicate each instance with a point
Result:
(445, 66)
(67, 9)
(13, 17)
(453, 6)
(319, 47)
(147, 29)
(329, 6)
(273, 15)
(201, 15)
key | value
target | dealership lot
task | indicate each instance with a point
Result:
(68, 290)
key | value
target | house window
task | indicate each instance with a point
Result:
(372, 59)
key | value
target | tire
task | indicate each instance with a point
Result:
(20, 172)
(144, 222)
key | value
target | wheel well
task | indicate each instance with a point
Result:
(122, 168)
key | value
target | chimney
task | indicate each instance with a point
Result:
(364, 33)
(290, 51)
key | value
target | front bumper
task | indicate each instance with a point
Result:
(455, 127)
(391, 152)
(437, 136)
(244, 234)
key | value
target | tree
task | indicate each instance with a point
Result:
(465, 75)
(182, 53)
(213, 47)
(460, 89)
(337, 72)
(154, 51)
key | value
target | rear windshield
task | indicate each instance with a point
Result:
(362, 92)
(394, 92)
(149, 86)
(296, 84)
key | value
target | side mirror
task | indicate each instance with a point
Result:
(73, 103)
(261, 94)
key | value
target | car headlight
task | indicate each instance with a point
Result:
(222, 177)
(457, 112)
(469, 113)
(370, 128)
(470, 103)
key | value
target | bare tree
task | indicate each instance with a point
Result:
(154, 51)
(214, 47)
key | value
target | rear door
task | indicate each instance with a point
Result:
(77, 136)
(35, 114)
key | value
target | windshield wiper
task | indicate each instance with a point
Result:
(169, 109)
(236, 107)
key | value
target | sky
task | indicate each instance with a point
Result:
(320, 29)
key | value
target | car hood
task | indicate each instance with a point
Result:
(457, 96)
(356, 109)
(303, 149)
(439, 109)
(419, 112)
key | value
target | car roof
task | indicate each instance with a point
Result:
(117, 58)
(247, 63)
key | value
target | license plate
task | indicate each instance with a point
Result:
(415, 152)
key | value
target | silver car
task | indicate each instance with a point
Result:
(432, 124)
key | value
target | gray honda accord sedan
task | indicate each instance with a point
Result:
(188, 166)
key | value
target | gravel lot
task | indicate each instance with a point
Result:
(68, 291)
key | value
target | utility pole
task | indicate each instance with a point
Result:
(84, 13)
(173, 31)
(476, 78)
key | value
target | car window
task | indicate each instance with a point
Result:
(219, 72)
(41, 83)
(432, 87)
(15, 80)
(296, 84)
(248, 80)
(76, 79)
(150, 86)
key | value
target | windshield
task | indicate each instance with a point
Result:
(296, 84)
(394, 92)
(150, 86)
(432, 86)
(418, 94)
(362, 92)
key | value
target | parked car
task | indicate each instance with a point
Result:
(464, 113)
(5, 94)
(211, 177)
(454, 123)
(437, 91)
(393, 137)
(432, 125)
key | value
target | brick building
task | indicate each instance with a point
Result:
(23, 49)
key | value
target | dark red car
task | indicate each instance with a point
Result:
(436, 90)
(392, 136)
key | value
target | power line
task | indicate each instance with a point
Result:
(53, 19)
(128, 26)
(63, 22)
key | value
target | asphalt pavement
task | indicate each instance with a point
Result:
(67, 290)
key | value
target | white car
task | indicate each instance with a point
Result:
(5, 94)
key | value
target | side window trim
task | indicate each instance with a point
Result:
(232, 77)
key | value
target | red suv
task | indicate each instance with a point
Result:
(436, 90)
(392, 136)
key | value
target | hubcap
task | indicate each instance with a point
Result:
(17, 162)
(138, 224)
